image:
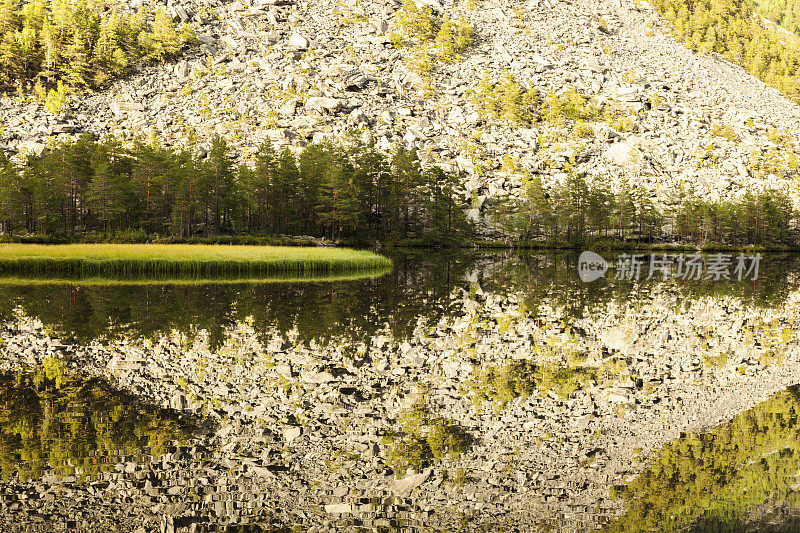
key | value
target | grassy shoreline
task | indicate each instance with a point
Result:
(182, 261)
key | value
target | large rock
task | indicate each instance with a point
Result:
(182, 69)
(123, 108)
(339, 508)
(291, 433)
(412, 481)
(625, 155)
(32, 147)
(298, 41)
(322, 104)
(456, 115)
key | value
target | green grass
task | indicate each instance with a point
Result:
(22, 280)
(184, 261)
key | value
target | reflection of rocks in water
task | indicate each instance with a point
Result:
(518, 405)
(428, 287)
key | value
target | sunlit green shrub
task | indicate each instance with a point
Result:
(422, 439)
(570, 105)
(504, 100)
(501, 384)
(453, 38)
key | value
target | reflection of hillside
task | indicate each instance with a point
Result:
(52, 421)
(717, 481)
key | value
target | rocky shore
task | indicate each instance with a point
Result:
(298, 435)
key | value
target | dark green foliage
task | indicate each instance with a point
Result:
(420, 284)
(574, 214)
(505, 100)
(84, 44)
(710, 481)
(764, 218)
(54, 421)
(328, 190)
(733, 28)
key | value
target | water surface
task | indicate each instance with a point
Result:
(736, 473)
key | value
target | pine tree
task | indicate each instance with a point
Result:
(103, 55)
(9, 16)
(445, 212)
(107, 192)
(243, 200)
(56, 100)
(11, 198)
(11, 57)
(407, 172)
(539, 211)
(29, 53)
(52, 51)
(330, 190)
(312, 164)
(264, 176)
(626, 211)
(575, 195)
(599, 206)
(164, 41)
(222, 185)
(284, 197)
(78, 66)
(185, 197)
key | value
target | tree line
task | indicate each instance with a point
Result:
(345, 191)
(79, 43)
(328, 190)
(574, 213)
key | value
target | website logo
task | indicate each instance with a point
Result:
(591, 266)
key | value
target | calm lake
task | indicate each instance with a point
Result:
(460, 391)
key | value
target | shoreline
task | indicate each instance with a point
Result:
(302, 242)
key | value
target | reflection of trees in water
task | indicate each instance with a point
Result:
(420, 285)
(417, 287)
(714, 481)
(552, 278)
(74, 426)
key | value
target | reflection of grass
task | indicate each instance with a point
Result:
(276, 278)
(710, 482)
(52, 420)
(181, 260)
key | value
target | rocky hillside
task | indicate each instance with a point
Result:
(632, 103)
